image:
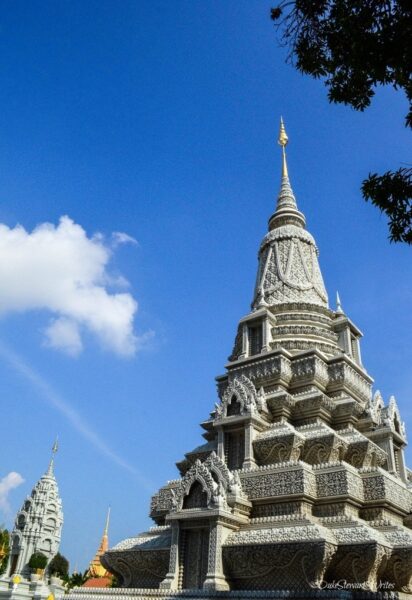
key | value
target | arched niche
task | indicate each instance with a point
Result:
(196, 498)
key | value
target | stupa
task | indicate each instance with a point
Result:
(38, 524)
(37, 529)
(98, 575)
(300, 489)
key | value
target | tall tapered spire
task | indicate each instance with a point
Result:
(339, 308)
(96, 569)
(50, 470)
(288, 270)
(106, 528)
(282, 141)
(286, 208)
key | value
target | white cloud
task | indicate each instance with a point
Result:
(63, 271)
(119, 237)
(7, 484)
(64, 334)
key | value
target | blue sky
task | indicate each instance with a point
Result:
(159, 120)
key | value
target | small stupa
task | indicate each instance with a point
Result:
(98, 575)
(37, 529)
(38, 524)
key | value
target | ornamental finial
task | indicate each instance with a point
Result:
(282, 141)
(339, 308)
(54, 451)
(286, 212)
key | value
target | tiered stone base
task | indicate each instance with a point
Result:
(29, 590)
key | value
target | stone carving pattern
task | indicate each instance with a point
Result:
(310, 368)
(215, 550)
(364, 454)
(287, 232)
(283, 483)
(323, 449)
(292, 273)
(297, 330)
(343, 374)
(294, 533)
(281, 566)
(399, 569)
(144, 569)
(271, 451)
(229, 480)
(162, 501)
(289, 345)
(339, 483)
(380, 486)
(359, 563)
(268, 368)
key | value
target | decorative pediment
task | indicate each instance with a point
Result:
(387, 416)
(376, 405)
(200, 477)
(240, 397)
(392, 417)
(211, 482)
(229, 480)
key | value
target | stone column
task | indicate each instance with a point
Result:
(215, 578)
(245, 341)
(221, 443)
(348, 342)
(402, 466)
(265, 334)
(171, 581)
(391, 455)
(358, 351)
(249, 460)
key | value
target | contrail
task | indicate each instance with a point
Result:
(53, 398)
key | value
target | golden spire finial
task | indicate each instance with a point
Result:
(282, 141)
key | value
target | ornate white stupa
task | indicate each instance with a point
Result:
(300, 489)
(38, 524)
